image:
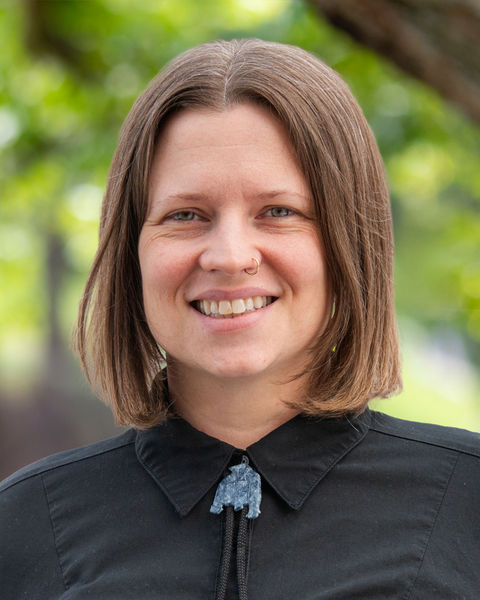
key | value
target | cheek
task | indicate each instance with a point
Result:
(163, 270)
(152, 269)
(308, 269)
(313, 284)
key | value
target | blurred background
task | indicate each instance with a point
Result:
(69, 72)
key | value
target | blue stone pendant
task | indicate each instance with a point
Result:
(242, 487)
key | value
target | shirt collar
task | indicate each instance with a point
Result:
(293, 458)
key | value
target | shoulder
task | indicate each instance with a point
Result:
(37, 501)
(68, 458)
(449, 438)
(430, 476)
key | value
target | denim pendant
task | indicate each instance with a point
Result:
(242, 487)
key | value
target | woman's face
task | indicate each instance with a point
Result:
(225, 189)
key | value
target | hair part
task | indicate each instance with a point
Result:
(356, 357)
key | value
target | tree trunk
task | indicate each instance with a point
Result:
(436, 41)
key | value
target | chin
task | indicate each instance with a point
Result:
(237, 370)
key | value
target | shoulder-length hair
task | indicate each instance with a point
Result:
(356, 357)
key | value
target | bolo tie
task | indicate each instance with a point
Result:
(240, 490)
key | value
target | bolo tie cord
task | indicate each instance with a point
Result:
(226, 554)
(242, 539)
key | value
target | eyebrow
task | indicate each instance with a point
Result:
(275, 193)
(196, 196)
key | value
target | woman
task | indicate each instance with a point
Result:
(246, 255)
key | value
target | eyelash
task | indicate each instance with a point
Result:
(282, 208)
(192, 214)
(176, 216)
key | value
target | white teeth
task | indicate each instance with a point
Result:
(258, 301)
(238, 306)
(225, 307)
(228, 309)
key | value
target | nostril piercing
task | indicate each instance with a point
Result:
(253, 270)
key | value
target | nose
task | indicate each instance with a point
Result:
(230, 248)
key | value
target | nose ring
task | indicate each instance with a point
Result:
(253, 270)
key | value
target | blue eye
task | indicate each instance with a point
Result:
(184, 215)
(279, 211)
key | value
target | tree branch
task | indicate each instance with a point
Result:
(436, 41)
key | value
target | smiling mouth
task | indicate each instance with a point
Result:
(228, 309)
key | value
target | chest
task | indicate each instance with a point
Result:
(352, 538)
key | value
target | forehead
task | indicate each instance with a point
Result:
(244, 144)
(244, 123)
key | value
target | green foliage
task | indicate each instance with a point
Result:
(63, 98)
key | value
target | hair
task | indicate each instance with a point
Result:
(356, 357)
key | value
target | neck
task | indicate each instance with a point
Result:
(239, 411)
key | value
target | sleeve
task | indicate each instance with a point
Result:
(29, 566)
(450, 566)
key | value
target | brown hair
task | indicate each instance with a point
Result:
(339, 157)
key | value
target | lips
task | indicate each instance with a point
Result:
(221, 309)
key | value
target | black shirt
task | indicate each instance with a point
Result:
(366, 508)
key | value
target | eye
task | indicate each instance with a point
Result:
(183, 215)
(278, 211)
